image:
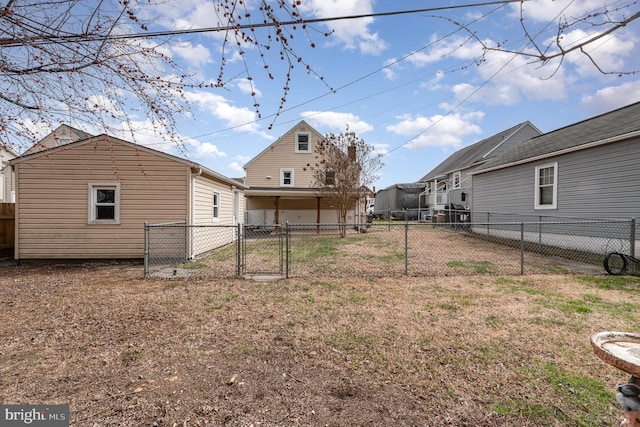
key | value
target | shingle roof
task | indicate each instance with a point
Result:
(474, 154)
(614, 123)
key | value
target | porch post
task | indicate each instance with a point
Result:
(277, 204)
(318, 215)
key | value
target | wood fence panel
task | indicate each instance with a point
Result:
(7, 228)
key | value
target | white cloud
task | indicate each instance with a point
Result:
(438, 130)
(337, 121)
(550, 10)
(248, 87)
(608, 53)
(352, 33)
(241, 119)
(235, 167)
(206, 149)
(612, 97)
(196, 56)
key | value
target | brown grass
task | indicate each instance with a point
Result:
(474, 350)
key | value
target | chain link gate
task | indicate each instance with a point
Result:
(261, 250)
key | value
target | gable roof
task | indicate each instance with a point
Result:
(608, 127)
(60, 130)
(277, 141)
(474, 154)
(111, 139)
(8, 149)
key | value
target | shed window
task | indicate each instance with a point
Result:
(104, 203)
(216, 206)
(303, 143)
(546, 191)
(286, 177)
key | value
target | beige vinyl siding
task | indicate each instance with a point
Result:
(203, 197)
(207, 239)
(282, 155)
(52, 200)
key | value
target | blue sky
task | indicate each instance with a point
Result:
(415, 86)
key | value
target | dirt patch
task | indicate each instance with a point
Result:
(427, 351)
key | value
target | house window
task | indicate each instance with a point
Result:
(216, 206)
(303, 142)
(104, 203)
(63, 140)
(546, 192)
(456, 180)
(329, 178)
(286, 177)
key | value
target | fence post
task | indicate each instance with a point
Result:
(632, 243)
(406, 248)
(540, 233)
(488, 219)
(186, 240)
(286, 249)
(146, 249)
(239, 250)
(522, 248)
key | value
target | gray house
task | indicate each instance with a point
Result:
(590, 169)
(450, 181)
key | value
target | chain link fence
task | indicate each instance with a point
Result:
(392, 248)
(178, 249)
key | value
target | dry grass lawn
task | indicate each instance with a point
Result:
(416, 351)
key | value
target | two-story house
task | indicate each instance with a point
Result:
(450, 181)
(281, 183)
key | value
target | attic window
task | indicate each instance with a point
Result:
(63, 140)
(303, 142)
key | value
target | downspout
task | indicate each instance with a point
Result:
(192, 214)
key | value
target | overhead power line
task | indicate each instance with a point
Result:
(7, 42)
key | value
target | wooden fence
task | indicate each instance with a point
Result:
(7, 228)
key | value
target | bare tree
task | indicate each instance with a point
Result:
(597, 24)
(97, 63)
(345, 167)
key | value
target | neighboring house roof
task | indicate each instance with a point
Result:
(62, 130)
(8, 149)
(196, 166)
(277, 141)
(605, 128)
(475, 154)
(405, 186)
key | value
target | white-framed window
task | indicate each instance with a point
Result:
(303, 142)
(1, 187)
(329, 178)
(546, 190)
(286, 177)
(456, 180)
(104, 203)
(63, 140)
(215, 204)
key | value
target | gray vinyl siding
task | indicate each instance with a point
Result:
(598, 182)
